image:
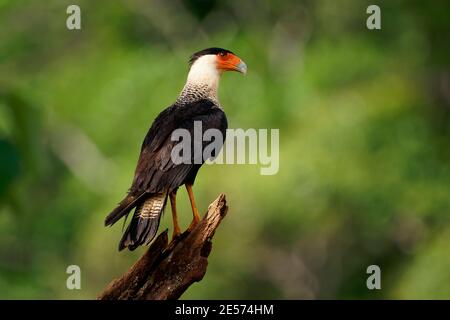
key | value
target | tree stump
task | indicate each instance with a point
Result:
(166, 270)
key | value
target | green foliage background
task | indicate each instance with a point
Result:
(364, 143)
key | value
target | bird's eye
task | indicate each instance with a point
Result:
(222, 54)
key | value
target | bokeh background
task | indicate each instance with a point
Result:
(364, 143)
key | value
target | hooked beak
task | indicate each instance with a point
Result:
(232, 63)
(241, 67)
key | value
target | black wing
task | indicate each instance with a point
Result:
(155, 171)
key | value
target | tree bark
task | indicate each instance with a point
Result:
(166, 270)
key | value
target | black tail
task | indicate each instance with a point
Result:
(144, 225)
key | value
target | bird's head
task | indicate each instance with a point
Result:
(216, 60)
(206, 67)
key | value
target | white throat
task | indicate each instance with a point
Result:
(202, 81)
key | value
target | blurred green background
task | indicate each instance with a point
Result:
(364, 119)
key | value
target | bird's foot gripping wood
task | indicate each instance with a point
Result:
(193, 224)
(166, 270)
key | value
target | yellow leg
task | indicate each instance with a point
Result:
(173, 205)
(196, 215)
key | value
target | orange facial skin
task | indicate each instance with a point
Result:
(228, 62)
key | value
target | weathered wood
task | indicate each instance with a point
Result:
(166, 269)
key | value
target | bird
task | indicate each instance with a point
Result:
(157, 177)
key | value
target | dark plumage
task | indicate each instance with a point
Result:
(156, 173)
(203, 52)
(156, 176)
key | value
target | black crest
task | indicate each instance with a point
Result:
(203, 52)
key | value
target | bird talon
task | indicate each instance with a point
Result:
(193, 224)
(175, 236)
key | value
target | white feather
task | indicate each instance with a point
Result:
(202, 80)
(204, 71)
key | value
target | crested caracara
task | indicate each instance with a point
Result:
(157, 177)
